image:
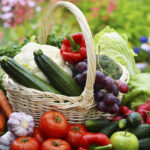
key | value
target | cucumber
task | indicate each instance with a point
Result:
(62, 81)
(110, 128)
(22, 76)
(96, 125)
(141, 131)
(134, 119)
(144, 144)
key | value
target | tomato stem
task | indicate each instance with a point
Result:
(76, 129)
(57, 119)
(56, 143)
(24, 140)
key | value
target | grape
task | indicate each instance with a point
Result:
(84, 75)
(83, 85)
(113, 109)
(110, 99)
(81, 66)
(78, 78)
(123, 88)
(99, 96)
(118, 102)
(101, 106)
(100, 77)
(115, 90)
(108, 84)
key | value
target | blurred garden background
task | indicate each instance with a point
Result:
(21, 18)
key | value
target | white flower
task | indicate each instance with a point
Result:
(31, 3)
(23, 2)
(7, 16)
(149, 39)
(6, 8)
(145, 47)
(38, 8)
(141, 65)
(6, 25)
(34, 27)
(4, 2)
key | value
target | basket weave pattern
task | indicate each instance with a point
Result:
(76, 109)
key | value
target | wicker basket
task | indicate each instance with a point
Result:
(77, 109)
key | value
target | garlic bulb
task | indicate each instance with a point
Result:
(21, 124)
(6, 140)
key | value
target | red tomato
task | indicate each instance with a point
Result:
(55, 144)
(38, 135)
(53, 124)
(25, 143)
(75, 132)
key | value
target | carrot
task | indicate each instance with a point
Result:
(2, 122)
(4, 104)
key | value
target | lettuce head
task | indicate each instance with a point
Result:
(139, 90)
(109, 42)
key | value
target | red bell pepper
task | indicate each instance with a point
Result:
(73, 49)
(94, 141)
(147, 120)
(144, 110)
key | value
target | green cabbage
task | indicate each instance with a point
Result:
(116, 47)
(139, 90)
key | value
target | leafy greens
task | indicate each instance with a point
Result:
(116, 47)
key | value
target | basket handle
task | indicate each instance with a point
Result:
(88, 91)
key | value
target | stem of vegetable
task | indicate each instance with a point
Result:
(74, 46)
(3, 59)
(76, 129)
(95, 147)
(57, 119)
(38, 52)
(56, 143)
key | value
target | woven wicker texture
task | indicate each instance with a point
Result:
(76, 109)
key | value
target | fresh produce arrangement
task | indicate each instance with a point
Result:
(48, 97)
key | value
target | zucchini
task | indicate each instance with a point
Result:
(62, 81)
(22, 76)
(110, 128)
(141, 131)
(96, 125)
(134, 119)
(144, 144)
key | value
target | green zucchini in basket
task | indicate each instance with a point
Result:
(62, 81)
(22, 76)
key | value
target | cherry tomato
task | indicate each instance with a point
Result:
(55, 144)
(75, 132)
(53, 124)
(25, 143)
(37, 134)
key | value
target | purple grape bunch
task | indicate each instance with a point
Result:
(106, 101)
(80, 77)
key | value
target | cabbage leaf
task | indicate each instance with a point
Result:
(109, 42)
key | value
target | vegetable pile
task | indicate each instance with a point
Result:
(61, 68)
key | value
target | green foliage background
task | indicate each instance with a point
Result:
(130, 16)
